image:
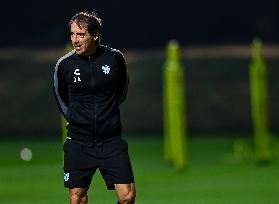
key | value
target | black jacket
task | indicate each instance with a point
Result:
(89, 90)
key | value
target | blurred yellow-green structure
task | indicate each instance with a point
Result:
(174, 108)
(259, 103)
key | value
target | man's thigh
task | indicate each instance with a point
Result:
(78, 169)
(116, 168)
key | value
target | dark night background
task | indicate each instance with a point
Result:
(145, 23)
(34, 34)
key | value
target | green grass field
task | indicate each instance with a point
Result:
(212, 177)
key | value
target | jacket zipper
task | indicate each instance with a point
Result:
(95, 118)
(94, 99)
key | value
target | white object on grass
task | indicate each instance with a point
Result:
(26, 154)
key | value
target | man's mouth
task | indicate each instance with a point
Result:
(78, 47)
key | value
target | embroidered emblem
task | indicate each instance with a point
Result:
(77, 74)
(66, 176)
(106, 69)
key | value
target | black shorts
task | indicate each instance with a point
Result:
(82, 159)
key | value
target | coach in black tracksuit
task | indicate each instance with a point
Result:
(90, 83)
(89, 90)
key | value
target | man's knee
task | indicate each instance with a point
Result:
(127, 195)
(78, 195)
(128, 199)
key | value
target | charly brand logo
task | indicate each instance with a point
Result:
(77, 74)
(66, 176)
(106, 69)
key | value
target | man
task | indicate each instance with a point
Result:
(90, 83)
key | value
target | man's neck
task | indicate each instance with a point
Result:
(92, 51)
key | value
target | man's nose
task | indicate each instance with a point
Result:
(75, 38)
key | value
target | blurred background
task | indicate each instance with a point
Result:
(215, 39)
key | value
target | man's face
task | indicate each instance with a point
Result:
(82, 41)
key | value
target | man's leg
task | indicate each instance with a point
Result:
(78, 196)
(126, 193)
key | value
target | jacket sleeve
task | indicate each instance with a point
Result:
(124, 79)
(61, 90)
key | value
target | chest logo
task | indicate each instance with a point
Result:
(77, 74)
(106, 69)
